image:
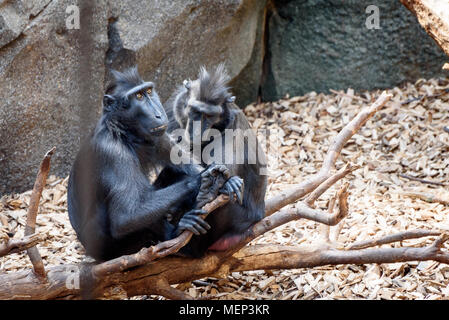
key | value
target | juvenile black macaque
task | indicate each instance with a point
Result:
(208, 104)
(112, 205)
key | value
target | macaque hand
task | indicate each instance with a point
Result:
(212, 180)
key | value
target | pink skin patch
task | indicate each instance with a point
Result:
(225, 243)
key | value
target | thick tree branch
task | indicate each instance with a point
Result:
(146, 279)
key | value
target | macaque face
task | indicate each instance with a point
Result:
(201, 117)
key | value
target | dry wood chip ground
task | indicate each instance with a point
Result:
(404, 140)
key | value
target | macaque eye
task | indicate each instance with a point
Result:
(149, 91)
(139, 96)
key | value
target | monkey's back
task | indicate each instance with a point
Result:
(87, 215)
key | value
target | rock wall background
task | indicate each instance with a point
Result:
(317, 45)
(52, 79)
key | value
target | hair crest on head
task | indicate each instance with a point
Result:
(212, 87)
(124, 81)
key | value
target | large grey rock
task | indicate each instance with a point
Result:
(14, 16)
(246, 84)
(34, 7)
(12, 22)
(316, 45)
(170, 40)
(51, 84)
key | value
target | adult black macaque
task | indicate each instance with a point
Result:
(112, 205)
(208, 104)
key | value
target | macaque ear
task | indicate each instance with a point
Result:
(187, 84)
(108, 102)
(233, 114)
(230, 99)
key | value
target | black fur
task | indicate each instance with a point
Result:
(112, 205)
(213, 87)
(228, 222)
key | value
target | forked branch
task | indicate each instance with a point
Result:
(18, 245)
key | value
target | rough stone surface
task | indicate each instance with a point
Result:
(170, 40)
(51, 84)
(316, 45)
(14, 16)
(246, 85)
(12, 22)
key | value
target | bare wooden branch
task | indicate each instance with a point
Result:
(302, 211)
(336, 232)
(432, 19)
(412, 234)
(328, 183)
(146, 278)
(325, 229)
(284, 198)
(30, 227)
(305, 212)
(422, 180)
(438, 243)
(425, 196)
(18, 245)
(164, 289)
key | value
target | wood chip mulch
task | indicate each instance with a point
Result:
(406, 140)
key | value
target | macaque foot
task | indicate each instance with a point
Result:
(192, 221)
(212, 180)
(234, 188)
